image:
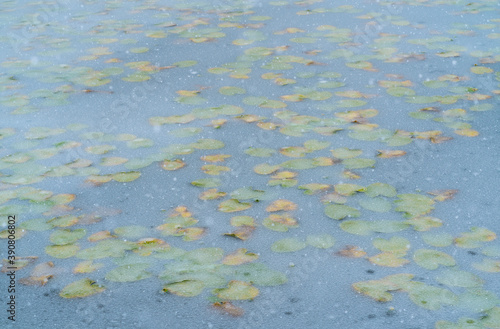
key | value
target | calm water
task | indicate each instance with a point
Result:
(246, 164)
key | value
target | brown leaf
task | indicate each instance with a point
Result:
(442, 195)
(40, 274)
(390, 153)
(19, 263)
(243, 232)
(351, 252)
(229, 308)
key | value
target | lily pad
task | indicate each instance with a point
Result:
(431, 259)
(323, 241)
(128, 273)
(63, 237)
(376, 204)
(186, 288)
(81, 288)
(288, 245)
(233, 205)
(237, 290)
(338, 211)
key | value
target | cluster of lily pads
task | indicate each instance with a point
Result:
(312, 107)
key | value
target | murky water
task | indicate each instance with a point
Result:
(246, 164)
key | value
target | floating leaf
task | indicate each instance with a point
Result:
(424, 223)
(288, 245)
(229, 308)
(132, 231)
(383, 189)
(337, 211)
(206, 182)
(233, 205)
(212, 194)
(100, 149)
(128, 273)
(63, 237)
(363, 227)
(140, 142)
(348, 189)
(476, 300)
(458, 278)
(299, 164)
(240, 256)
(113, 161)
(17, 264)
(385, 154)
(414, 204)
(230, 91)
(351, 251)
(172, 164)
(64, 251)
(388, 259)
(480, 70)
(474, 239)
(215, 157)
(248, 193)
(323, 241)
(281, 204)
(379, 289)
(431, 259)
(237, 290)
(81, 288)
(429, 297)
(124, 177)
(87, 267)
(186, 288)
(204, 255)
(313, 188)
(395, 245)
(488, 265)
(260, 152)
(358, 163)
(376, 204)
(280, 222)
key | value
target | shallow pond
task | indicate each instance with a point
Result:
(250, 164)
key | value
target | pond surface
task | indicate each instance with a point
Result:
(251, 164)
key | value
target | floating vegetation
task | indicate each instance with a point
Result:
(289, 140)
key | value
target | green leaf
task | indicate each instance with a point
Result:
(207, 182)
(128, 273)
(248, 193)
(358, 163)
(431, 259)
(323, 241)
(81, 288)
(208, 144)
(429, 297)
(299, 164)
(375, 204)
(204, 255)
(237, 290)
(185, 63)
(231, 91)
(186, 288)
(288, 245)
(260, 151)
(477, 300)
(338, 211)
(124, 177)
(458, 278)
(133, 231)
(414, 204)
(64, 251)
(62, 237)
(233, 205)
